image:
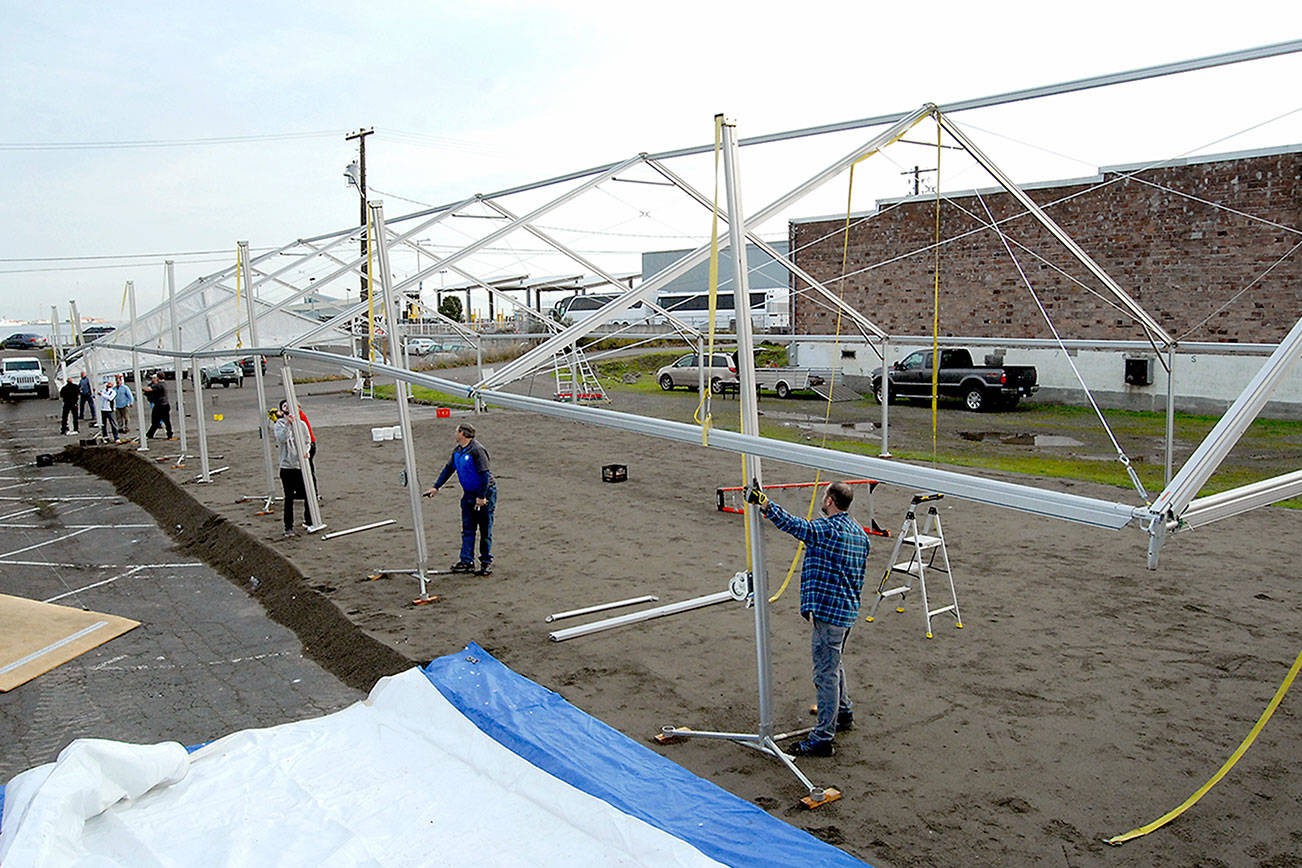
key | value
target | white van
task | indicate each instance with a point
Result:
(22, 375)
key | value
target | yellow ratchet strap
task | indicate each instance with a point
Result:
(1229, 764)
(703, 414)
(239, 261)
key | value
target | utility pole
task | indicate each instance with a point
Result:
(360, 136)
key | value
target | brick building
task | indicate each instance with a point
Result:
(1202, 244)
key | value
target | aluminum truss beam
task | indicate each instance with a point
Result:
(865, 325)
(1179, 494)
(683, 328)
(1141, 74)
(1226, 504)
(650, 288)
(1150, 325)
(1024, 498)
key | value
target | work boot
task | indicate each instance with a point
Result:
(463, 567)
(485, 569)
(844, 721)
(809, 747)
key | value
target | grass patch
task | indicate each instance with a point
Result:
(422, 395)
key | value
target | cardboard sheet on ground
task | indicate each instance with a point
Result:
(35, 637)
(464, 762)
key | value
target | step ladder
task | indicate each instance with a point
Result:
(924, 544)
(572, 370)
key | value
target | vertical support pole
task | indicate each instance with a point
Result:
(80, 340)
(385, 279)
(60, 365)
(264, 423)
(176, 347)
(204, 475)
(700, 369)
(302, 444)
(749, 425)
(135, 371)
(886, 399)
(479, 361)
(1170, 413)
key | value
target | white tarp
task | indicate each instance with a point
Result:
(400, 779)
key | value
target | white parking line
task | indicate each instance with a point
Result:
(4, 563)
(75, 526)
(105, 667)
(46, 543)
(68, 497)
(18, 513)
(130, 572)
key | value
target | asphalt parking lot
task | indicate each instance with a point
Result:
(205, 661)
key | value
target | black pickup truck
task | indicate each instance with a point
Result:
(980, 388)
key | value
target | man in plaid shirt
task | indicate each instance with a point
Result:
(831, 580)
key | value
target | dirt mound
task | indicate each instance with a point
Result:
(328, 637)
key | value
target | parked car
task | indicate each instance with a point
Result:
(25, 341)
(421, 346)
(22, 375)
(686, 372)
(246, 365)
(94, 333)
(229, 374)
(980, 388)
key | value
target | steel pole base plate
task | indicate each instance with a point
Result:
(820, 797)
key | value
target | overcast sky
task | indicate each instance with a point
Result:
(475, 97)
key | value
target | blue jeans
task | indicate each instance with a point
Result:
(827, 645)
(480, 519)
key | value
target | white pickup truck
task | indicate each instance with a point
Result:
(22, 375)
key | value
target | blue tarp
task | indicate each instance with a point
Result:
(540, 726)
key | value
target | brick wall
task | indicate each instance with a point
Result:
(1182, 259)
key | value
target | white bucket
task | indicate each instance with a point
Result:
(377, 434)
(397, 432)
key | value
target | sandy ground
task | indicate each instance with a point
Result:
(1084, 696)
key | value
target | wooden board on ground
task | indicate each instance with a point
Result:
(35, 637)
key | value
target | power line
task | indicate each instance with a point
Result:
(163, 143)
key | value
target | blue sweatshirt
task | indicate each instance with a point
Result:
(471, 465)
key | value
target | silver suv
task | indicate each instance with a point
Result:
(686, 372)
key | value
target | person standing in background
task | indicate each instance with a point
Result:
(70, 394)
(160, 412)
(107, 397)
(121, 403)
(87, 393)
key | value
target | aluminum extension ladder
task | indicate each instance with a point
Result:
(572, 367)
(929, 539)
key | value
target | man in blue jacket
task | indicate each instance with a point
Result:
(831, 581)
(478, 499)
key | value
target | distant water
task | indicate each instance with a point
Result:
(44, 329)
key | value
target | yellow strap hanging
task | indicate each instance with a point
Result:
(1229, 764)
(702, 415)
(239, 270)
